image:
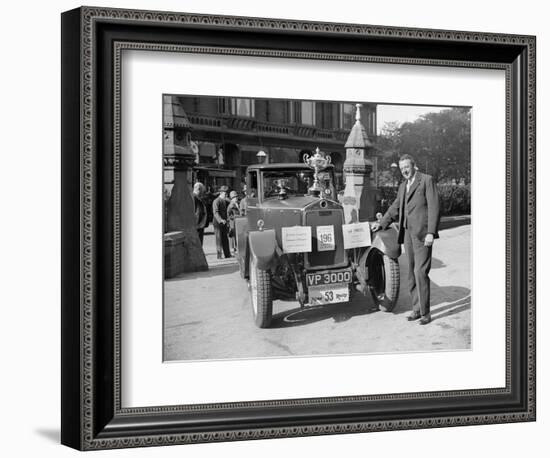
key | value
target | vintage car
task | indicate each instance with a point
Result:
(282, 199)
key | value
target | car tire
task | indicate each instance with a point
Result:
(383, 280)
(260, 295)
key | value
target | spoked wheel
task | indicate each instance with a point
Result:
(261, 295)
(383, 280)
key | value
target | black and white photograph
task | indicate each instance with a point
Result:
(296, 228)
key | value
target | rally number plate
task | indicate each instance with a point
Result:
(328, 294)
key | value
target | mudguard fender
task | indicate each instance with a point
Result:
(386, 242)
(263, 248)
(241, 231)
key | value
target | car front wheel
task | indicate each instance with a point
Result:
(383, 280)
(261, 295)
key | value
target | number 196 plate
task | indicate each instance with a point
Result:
(328, 294)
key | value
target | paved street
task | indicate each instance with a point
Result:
(208, 315)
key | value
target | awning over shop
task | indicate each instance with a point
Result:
(216, 172)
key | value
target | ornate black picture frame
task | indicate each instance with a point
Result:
(92, 42)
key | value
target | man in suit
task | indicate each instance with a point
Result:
(201, 215)
(232, 212)
(417, 210)
(221, 227)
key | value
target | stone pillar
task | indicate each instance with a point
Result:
(359, 198)
(187, 254)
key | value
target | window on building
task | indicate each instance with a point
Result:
(242, 107)
(291, 111)
(347, 115)
(189, 104)
(327, 116)
(308, 113)
(223, 105)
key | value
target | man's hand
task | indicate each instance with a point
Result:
(429, 240)
(375, 226)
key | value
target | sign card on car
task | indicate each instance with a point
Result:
(356, 235)
(325, 238)
(296, 239)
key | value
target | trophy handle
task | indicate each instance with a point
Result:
(305, 158)
(328, 158)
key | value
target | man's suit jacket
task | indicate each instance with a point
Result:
(422, 208)
(201, 216)
(219, 210)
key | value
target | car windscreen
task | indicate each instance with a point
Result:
(293, 182)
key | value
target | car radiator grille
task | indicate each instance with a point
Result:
(333, 258)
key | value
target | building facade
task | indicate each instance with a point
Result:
(227, 133)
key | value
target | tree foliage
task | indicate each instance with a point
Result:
(440, 143)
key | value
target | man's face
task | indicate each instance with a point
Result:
(223, 194)
(407, 169)
(199, 191)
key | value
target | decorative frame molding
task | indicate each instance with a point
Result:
(91, 408)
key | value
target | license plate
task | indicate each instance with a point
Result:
(328, 294)
(328, 277)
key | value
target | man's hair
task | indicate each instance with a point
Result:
(408, 157)
(198, 186)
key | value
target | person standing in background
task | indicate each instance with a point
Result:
(233, 211)
(221, 228)
(201, 214)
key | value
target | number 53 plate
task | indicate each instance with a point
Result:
(328, 294)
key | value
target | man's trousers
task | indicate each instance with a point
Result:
(420, 261)
(222, 241)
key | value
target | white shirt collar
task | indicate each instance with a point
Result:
(410, 181)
